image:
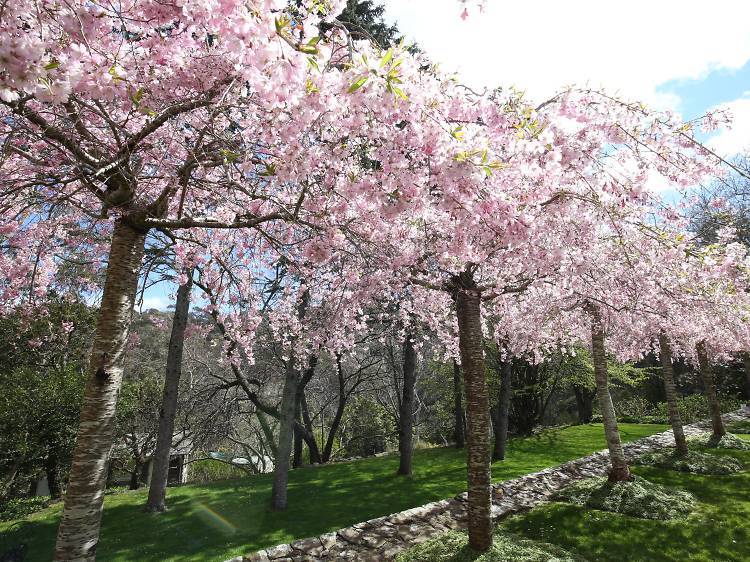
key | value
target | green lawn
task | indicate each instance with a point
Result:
(718, 530)
(219, 520)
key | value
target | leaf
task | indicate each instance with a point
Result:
(281, 23)
(387, 58)
(358, 83)
(52, 65)
(314, 41)
(400, 93)
(313, 63)
(137, 97)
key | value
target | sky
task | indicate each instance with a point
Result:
(689, 56)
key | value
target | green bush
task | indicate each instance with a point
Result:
(727, 441)
(637, 497)
(695, 462)
(209, 470)
(742, 426)
(693, 408)
(22, 507)
(454, 547)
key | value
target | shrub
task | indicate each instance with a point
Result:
(209, 470)
(742, 426)
(22, 507)
(637, 497)
(692, 408)
(727, 441)
(695, 462)
(454, 547)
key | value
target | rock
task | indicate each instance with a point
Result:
(279, 552)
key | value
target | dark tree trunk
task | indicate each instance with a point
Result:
(406, 413)
(468, 310)
(503, 410)
(157, 492)
(584, 403)
(298, 444)
(709, 387)
(665, 356)
(620, 470)
(459, 431)
(135, 476)
(267, 433)
(328, 448)
(746, 364)
(309, 433)
(52, 471)
(78, 533)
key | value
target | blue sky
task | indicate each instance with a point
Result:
(689, 56)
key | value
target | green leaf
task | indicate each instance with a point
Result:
(387, 58)
(52, 65)
(358, 83)
(137, 97)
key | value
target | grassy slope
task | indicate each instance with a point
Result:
(718, 530)
(223, 519)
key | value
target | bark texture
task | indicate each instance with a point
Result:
(717, 424)
(620, 470)
(665, 356)
(468, 310)
(746, 364)
(78, 533)
(459, 431)
(287, 420)
(406, 407)
(503, 411)
(157, 491)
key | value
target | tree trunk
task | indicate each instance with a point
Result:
(51, 469)
(620, 470)
(298, 444)
(134, 476)
(287, 418)
(503, 410)
(746, 363)
(157, 491)
(267, 433)
(78, 533)
(665, 356)
(309, 433)
(584, 403)
(286, 435)
(714, 408)
(406, 414)
(468, 310)
(342, 397)
(459, 432)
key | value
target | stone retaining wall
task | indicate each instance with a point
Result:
(383, 538)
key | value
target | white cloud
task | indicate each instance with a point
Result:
(159, 302)
(729, 142)
(542, 45)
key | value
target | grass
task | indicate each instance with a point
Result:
(223, 519)
(719, 528)
(637, 497)
(454, 547)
